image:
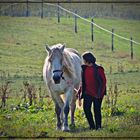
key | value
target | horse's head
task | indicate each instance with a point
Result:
(55, 59)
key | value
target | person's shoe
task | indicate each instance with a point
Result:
(92, 128)
(98, 129)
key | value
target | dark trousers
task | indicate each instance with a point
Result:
(88, 100)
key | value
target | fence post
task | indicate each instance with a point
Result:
(75, 22)
(112, 47)
(92, 36)
(27, 8)
(112, 9)
(131, 42)
(58, 12)
(11, 10)
(42, 9)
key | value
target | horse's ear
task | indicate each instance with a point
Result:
(63, 47)
(48, 49)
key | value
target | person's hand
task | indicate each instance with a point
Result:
(76, 91)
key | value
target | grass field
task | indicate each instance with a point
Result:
(22, 55)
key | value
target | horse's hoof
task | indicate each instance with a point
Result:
(58, 128)
(65, 129)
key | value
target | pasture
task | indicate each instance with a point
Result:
(22, 54)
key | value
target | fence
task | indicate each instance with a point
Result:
(57, 8)
(99, 9)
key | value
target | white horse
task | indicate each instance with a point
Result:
(62, 73)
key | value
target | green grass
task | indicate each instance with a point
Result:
(22, 54)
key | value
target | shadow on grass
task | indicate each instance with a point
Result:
(79, 129)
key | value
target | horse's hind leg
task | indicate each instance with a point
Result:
(73, 106)
(58, 112)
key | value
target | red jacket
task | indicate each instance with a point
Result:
(93, 81)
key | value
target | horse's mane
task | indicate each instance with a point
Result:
(74, 51)
(67, 61)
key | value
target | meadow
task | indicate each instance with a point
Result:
(22, 54)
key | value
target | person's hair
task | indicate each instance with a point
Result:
(89, 57)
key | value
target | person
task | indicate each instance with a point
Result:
(92, 90)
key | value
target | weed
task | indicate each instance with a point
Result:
(41, 102)
(111, 101)
(3, 75)
(30, 91)
(4, 90)
(135, 118)
(110, 71)
(120, 68)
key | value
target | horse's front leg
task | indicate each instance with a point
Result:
(58, 110)
(66, 109)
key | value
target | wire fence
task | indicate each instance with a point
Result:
(49, 9)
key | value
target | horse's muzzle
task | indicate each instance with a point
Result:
(56, 79)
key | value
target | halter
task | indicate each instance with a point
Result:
(61, 73)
